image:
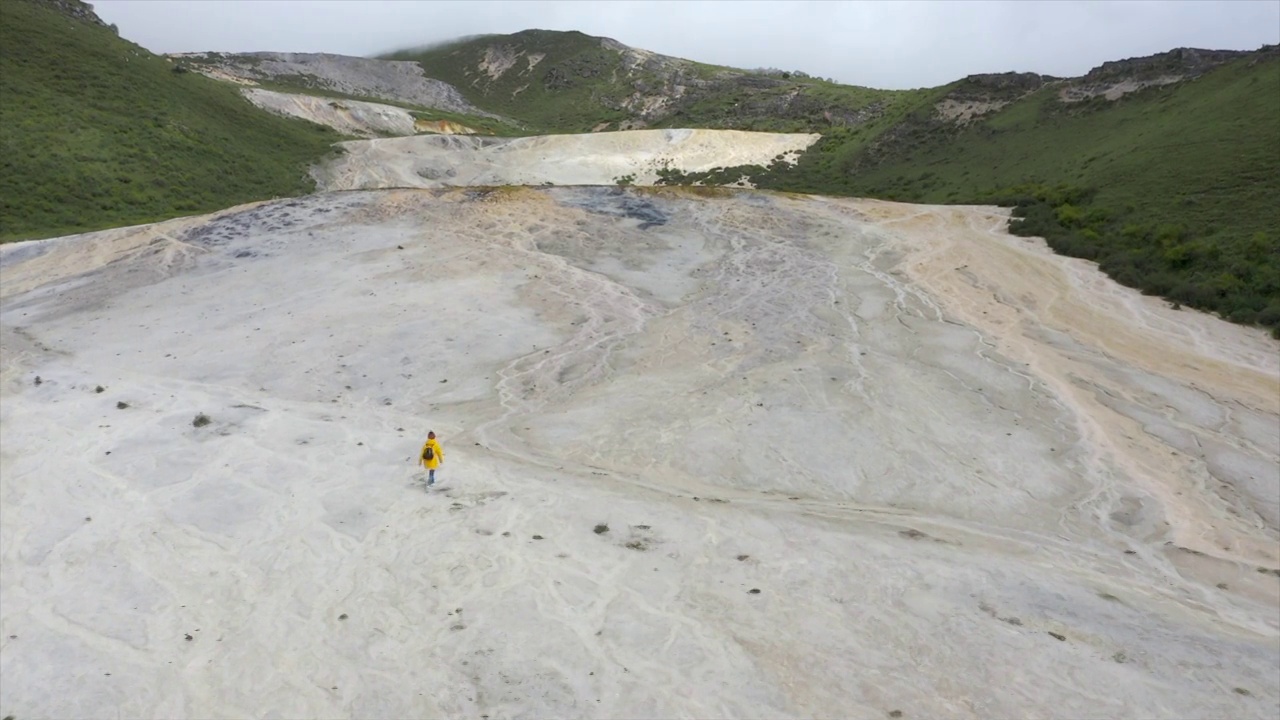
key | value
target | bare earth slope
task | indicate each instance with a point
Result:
(393, 80)
(350, 117)
(968, 478)
(577, 159)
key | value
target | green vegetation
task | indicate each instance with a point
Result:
(791, 105)
(571, 82)
(571, 89)
(1171, 189)
(96, 132)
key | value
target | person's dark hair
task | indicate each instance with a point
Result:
(431, 434)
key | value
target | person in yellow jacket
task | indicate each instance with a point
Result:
(431, 457)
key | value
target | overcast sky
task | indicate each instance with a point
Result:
(874, 43)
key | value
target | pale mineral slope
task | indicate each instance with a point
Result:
(350, 117)
(587, 159)
(970, 479)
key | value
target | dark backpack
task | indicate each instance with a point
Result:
(428, 454)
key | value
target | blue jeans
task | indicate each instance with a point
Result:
(431, 476)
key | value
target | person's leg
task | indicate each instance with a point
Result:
(431, 476)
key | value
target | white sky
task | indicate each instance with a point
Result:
(879, 44)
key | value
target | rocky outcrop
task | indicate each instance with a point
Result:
(978, 95)
(1115, 79)
(999, 86)
(390, 80)
(1183, 62)
(82, 11)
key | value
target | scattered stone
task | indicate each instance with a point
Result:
(201, 420)
(754, 591)
(99, 389)
(1120, 657)
(637, 545)
(640, 527)
(1222, 586)
(506, 534)
(122, 405)
(894, 713)
(343, 616)
(601, 529)
(1241, 691)
(1130, 552)
(88, 519)
(1057, 636)
(537, 537)
(1108, 596)
(743, 557)
(38, 381)
(188, 637)
(912, 534)
(458, 626)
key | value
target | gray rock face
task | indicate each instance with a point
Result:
(393, 80)
(78, 10)
(1184, 62)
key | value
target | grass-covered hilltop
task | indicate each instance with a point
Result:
(1164, 169)
(98, 132)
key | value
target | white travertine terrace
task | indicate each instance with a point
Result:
(604, 158)
(969, 478)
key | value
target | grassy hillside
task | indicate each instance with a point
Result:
(570, 82)
(569, 90)
(97, 132)
(1171, 189)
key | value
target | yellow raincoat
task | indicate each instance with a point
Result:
(437, 454)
